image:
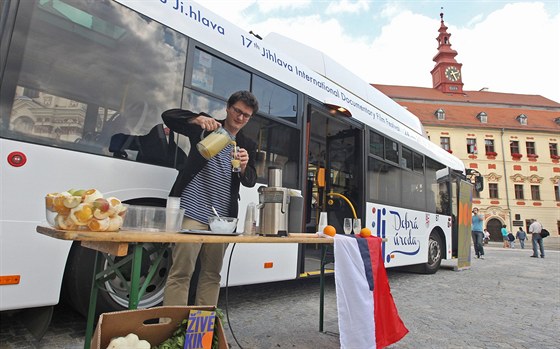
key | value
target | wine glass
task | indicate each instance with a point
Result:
(357, 226)
(347, 225)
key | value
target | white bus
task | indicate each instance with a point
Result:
(83, 84)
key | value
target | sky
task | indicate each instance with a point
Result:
(504, 46)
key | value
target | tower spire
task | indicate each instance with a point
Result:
(446, 75)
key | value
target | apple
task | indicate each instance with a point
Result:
(79, 192)
(91, 195)
(101, 204)
(72, 201)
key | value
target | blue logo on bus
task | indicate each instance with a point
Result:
(402, 226)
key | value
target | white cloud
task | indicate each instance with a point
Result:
(476, 19)
(391, 9)
(515, 50)
(402, 54)
(347, 6)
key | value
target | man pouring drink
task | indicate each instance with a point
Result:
(210, 178)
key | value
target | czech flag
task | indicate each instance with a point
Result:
(367, 315)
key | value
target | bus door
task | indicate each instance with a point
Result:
(334, 181)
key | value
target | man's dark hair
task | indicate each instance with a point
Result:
(245, 97)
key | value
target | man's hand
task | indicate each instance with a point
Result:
(207, 123)
(243, 155)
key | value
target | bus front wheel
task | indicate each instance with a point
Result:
(435, 253)
(78, 279)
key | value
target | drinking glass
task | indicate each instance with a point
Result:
(235, 162)
(357, 226)
(322, 222)
(347, 225)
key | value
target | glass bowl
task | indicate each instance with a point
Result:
(153, 218)
(222, 225)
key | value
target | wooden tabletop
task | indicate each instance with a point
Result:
(116, 243)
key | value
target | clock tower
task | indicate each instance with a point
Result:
(446, 75)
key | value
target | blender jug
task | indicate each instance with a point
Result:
(214, 143)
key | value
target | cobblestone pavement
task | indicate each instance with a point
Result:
(507, 300)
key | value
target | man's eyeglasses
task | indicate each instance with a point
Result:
(240, 112)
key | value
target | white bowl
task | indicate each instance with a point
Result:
(222, 225)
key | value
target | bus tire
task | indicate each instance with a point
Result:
(78, 278)
(435, 254)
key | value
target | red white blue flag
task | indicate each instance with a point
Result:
(367, 315)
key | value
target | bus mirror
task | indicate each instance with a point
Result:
(478, 183)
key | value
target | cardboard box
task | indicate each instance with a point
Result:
(121, 323)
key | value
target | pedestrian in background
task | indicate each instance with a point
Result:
(477, 234)
(511, 240)
(505, 236)
(486, 236)
(535, 230)
(521, 236)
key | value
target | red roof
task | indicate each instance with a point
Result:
(461, 110)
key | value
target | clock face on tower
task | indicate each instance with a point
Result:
(452, 73)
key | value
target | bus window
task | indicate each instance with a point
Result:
(199, 102)
(84, 73)
(438, 193)
(217, 76)
(275, 141)
(406, 159)
(418, 163)
(275, 100)
(413, 194)
(277, 146)
(376, 144)
(391, 150)
(384, 182)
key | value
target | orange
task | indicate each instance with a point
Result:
(98, 224)
(49, 201)
(329, 230)
(82, 214)
(365, 232)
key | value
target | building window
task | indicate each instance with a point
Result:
(483, 117)
(557, 193)
(553, 148)
(535, 192)
(440, 114)
(514, 147)
(522, 118)
(493, 190)
(445, 143)
(531, 148)
(471, 146)
(519, 192)
(489, 146)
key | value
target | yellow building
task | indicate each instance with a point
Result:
(511, 140)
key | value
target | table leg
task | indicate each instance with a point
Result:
(322, 286)
(92, 299)
(135, 276)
